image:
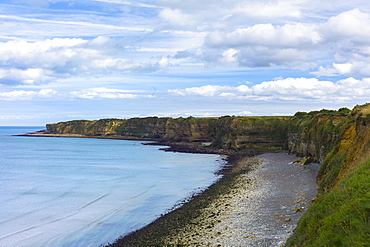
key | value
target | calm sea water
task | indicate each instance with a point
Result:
(88, 192)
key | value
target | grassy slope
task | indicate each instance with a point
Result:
(341, 214)
(340, 217)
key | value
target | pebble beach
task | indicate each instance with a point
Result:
(264, 201)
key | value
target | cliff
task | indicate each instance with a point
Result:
(315, 134)
(222, 132)
(340, 216)
(339, 140)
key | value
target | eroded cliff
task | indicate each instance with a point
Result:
(222, 132)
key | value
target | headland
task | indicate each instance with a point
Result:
(337, 140)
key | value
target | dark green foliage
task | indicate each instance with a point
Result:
(300, 114)
(344, 111)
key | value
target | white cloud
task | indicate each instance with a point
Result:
(230, 56)
(243, 113)
(287, 36)
(297, 87)
(216, 14)
(26, 95)
(208, 90)
(266, 45)
(42, 61)
(343, 39)
(27, 76)
(177, 17)
(353, 25)
(354, 89)
(107, 93)
(46, 93)
(344, 68)
(183, 45)
(289, 89)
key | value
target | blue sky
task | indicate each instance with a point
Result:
(67, 59)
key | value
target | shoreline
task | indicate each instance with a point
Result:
(246, 207)
(43, 133)
(217, 215)
(154, 233)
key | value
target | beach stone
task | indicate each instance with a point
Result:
(273, 188)
(297, 210)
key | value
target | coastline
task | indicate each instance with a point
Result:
(258, 202)
(232, 211)
(43, 133)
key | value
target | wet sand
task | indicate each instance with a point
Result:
(262, 206)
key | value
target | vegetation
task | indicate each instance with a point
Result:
(340, 217)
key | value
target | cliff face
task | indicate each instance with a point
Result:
(315, 134)
(223, 132)
(104, 127)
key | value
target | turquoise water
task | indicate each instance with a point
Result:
(88, 192)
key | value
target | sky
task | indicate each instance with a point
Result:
(62, 60)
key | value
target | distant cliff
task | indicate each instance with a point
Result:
(339, 140)
(222, 132)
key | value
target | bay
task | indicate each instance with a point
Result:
(88, 192)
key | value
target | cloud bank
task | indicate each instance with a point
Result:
(27, 95)
(290, 89)
(39, 62)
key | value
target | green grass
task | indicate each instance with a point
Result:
(340, 217)
(329, 170)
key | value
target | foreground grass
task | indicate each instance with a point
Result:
(340, 217)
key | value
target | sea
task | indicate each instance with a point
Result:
(88, 192)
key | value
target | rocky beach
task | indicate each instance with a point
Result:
(257, 203)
